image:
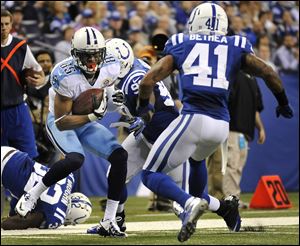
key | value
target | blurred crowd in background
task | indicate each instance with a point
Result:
(271, 26)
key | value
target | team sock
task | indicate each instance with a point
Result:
(111, 209)
(162, 185)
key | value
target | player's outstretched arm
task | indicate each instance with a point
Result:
(158, 72)
(255, 66)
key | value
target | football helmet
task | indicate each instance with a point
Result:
(79, 209)
(209, 19)
(121, 50)
(88, 49)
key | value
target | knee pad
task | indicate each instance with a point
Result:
(75, 160)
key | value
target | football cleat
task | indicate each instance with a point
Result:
(230, 213)
(109, 228)
(120, 219)
(189, 218)
(25, 204)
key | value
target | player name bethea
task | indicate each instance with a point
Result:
(213, 38)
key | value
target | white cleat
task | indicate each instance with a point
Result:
(25, 204)
(189, 218)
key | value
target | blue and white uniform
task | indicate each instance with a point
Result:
(19, 173)
(207, 65)
(68, 80)
(165, 112)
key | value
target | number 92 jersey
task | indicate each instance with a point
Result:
(207, 64)
(164, 108)
(20, 173)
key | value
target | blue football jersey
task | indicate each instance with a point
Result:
(164, 106)
(21, 173)
(207, 64)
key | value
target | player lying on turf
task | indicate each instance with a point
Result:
(208, 62)
(88, 68)
(57, 205)
(143, 135)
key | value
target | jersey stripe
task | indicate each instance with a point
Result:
(236, 40)
(214, 12)
(174, 39)
(59, 217)
(180, 38)
(244, 40)
(62, 213)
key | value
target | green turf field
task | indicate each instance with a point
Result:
(136, 212)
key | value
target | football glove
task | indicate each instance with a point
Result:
(137, 125)
(133, 124)
(99, 112)
(118, 98)
(286, 111)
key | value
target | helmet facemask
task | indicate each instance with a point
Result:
(89, 60)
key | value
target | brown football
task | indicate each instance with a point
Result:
(87, 101)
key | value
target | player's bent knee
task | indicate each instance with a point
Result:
(145, 177)
(76, 159)
(118, 157)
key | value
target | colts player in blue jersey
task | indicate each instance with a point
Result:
(143, 135)
(19, 173)
(208, 62)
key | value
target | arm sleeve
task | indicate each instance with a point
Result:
(174, 48)
(247, 48)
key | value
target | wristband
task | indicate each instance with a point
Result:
(281, 98)
(92, 117)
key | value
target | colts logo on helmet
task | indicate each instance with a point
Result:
(119, 51)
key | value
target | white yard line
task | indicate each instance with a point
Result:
(158, 226)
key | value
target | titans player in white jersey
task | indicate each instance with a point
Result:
(89, 67)
(20, 173)
(208, 62)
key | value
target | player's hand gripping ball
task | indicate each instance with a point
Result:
(87, 101)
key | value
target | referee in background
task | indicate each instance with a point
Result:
(16, 124)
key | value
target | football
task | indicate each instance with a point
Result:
(87, 101)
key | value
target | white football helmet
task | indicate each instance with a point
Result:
(79, 209)
(209, 19)
(88, 49)
(121, 50)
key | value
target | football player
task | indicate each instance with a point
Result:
(208, 62)
(19, 173)
(88, 67)
(145, 130)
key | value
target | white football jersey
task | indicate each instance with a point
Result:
(68, 80)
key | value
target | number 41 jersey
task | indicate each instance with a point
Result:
(208, 64)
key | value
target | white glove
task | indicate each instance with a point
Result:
(101, 110)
